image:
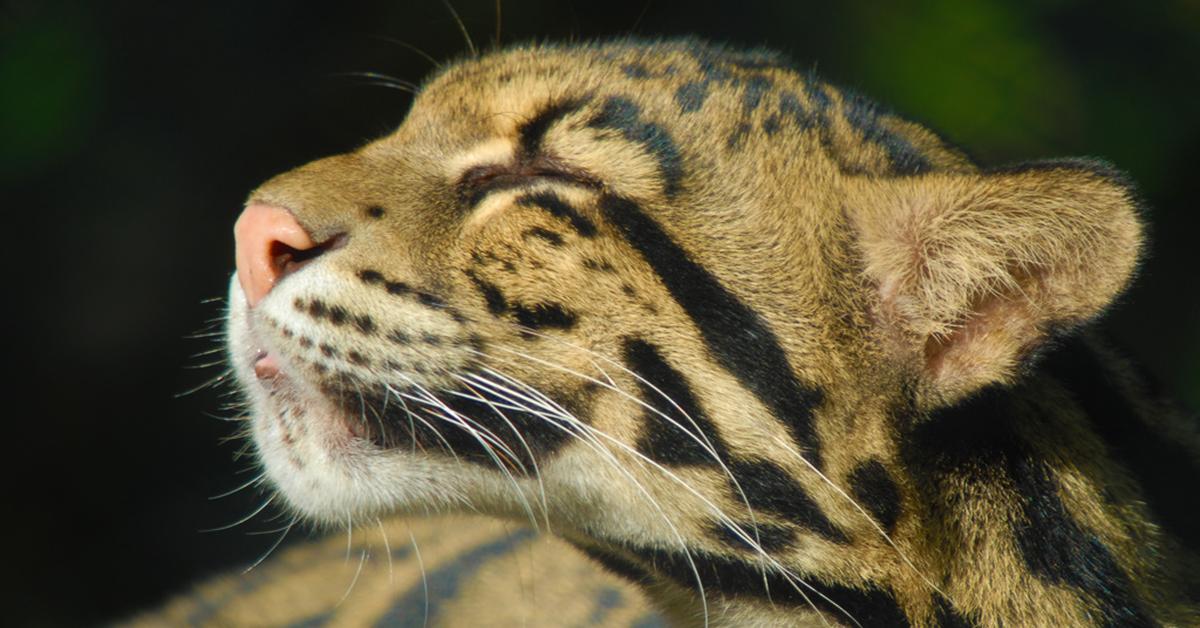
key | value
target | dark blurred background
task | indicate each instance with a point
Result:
(130, 132)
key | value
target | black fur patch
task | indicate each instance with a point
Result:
(874, 488)
(770, 537)
(559, 208)
(770, 488)
(1157, 462)
(755, 88)
(636, 71)
(770, 126)
(543, 315)
(690, 96)
(737, 336)
(545, 234)
(976, 441)
(532, 132)
(738, 136)
(621, 114)
(865, 115)
(687, 442)
(790, 108)
(492, 295)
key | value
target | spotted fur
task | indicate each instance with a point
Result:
(748, 340)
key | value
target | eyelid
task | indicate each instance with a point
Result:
(479, 181)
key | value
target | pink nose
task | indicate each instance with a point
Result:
(270, 243)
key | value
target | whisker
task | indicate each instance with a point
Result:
(462, 28)
(273, 546)
(252, 482)
(421, 566)
(387, 548)
(362, 559)
(243, 519)
(425, 55)
(788, 575)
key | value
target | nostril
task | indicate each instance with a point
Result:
(271, 244)
(287, 259)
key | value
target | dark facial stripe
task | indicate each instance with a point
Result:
(771, 489)
(560, 209)
(532, 132)
(492, 295)
(722, 576)
(660, 440)
(874, 488)
(547, 235)
(765, 486)
(544, 315)
(736, 335)
(621, 114)
(770, 537)
(1157, 462)
(976, 442)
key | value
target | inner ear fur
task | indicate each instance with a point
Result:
(974, 271)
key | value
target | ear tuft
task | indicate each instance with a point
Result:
(974, 270)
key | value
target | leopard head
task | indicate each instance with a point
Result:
(663, 299)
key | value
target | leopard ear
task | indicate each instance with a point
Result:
(974, 271)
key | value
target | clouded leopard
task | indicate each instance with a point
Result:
(746, 348)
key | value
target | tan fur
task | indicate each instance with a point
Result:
(895, 290)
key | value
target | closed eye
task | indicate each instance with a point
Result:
(479, 181)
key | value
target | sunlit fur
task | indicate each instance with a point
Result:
(896, 279)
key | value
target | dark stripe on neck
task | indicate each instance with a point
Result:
(874, 488)
(737, 336)
(976, 442)
(728, 577)
(1159, 463)
(769, 488)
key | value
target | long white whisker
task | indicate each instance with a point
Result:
(537, 472)
(273, 546)
(698, 435)
(243, 519)
(788, 575)
(387, 548)
(479, 435)
(254, 481)
(421, 565)
(357, 572)
(611, 385)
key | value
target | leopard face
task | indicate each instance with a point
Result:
(684, 307)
